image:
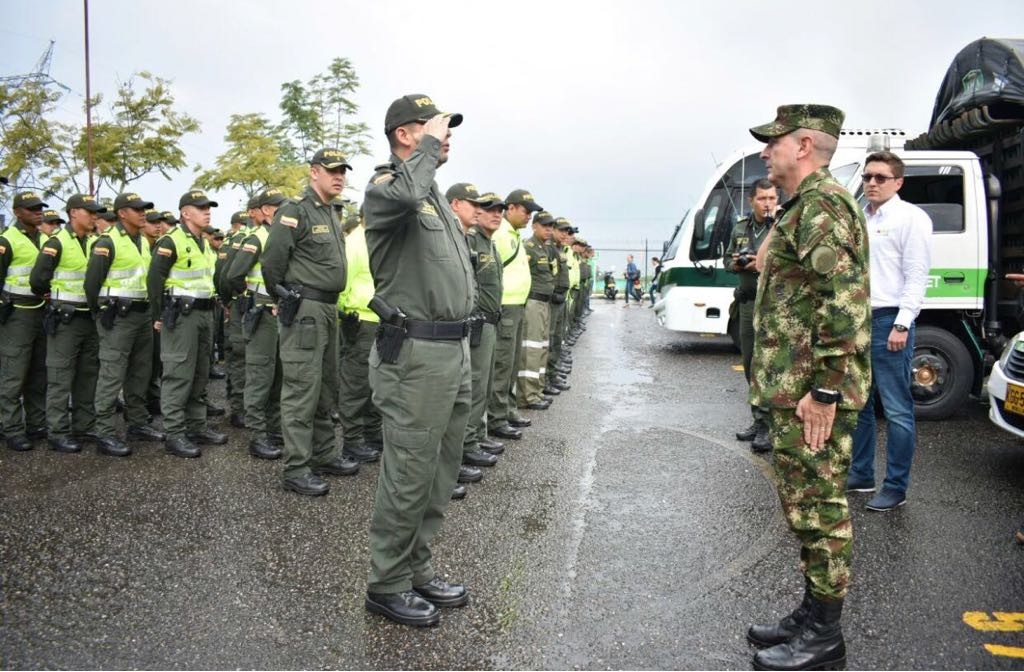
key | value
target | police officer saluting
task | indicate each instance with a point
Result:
(180, 285)
(22, 351)
(115, 288)
(72, 347)
(420, 363)
(304, 266)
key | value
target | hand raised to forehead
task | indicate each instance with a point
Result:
(437, 126)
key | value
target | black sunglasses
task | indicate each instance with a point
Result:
(872, 177)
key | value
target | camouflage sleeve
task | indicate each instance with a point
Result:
(833, 253)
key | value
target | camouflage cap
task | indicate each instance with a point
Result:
(168, 217)
(85, 201)
(197, 198)
(788, 118)
(28, 199)
(544, 218)
(270, 196)
(415, 107)
(490, 201)
(524, 198)
(463, 191)
(240, 217)
(330, 159)
(131, 200)
(53, 217)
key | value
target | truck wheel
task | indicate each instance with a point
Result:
(734, 333)
(941, 371)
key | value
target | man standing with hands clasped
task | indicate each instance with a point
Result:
(420, 362)
(811, 367)
(901, 237)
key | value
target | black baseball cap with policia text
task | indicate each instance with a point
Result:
(29, 199)
(240, 217)
(524, 198)
(463, 191)
(415, 107)
(53, 217)
(85, 201)
(544, 218)
(197, 198)
(330, 159)
(270, 197)
(131, 200)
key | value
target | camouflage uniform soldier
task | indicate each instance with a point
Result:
(812, 369)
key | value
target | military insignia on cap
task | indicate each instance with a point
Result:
(425, 101)
(823, 259)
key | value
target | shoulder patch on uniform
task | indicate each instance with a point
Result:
(320, 228)
(428, 209)
(52, 251)
(3, 249)
(289, 221)
(383, 177)
(249, 247)
(102, 251)
(222, 255)
(235, 246)
(164, 251)
(823, 259)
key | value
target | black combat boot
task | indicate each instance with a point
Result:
(786, 629)
(819, 645)
(762, 443)
(749, 433)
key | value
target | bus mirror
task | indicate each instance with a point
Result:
(698, 224)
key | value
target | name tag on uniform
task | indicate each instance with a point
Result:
(320, 228)
(428, 209)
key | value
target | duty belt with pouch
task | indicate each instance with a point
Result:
(537, 296)
(558, 296)
(58, 313)
(251, 318)
(476, 330)
(288, 300)
(119, 302)
(391, 330)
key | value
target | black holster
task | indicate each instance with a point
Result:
(251, 321)
(108, 313)
(476, 331)
(349, 325)
(51, 320)
(288, 301)
(389, 342)
(170, 313)
(245, 302)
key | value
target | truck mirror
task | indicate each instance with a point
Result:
(698, 224)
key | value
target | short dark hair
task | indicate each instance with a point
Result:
(762, 184)
(894, 162)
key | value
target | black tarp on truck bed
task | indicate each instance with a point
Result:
(987, 72)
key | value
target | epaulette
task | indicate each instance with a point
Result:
(385, 172)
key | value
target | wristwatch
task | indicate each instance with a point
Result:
(900, 328)
(826, 396)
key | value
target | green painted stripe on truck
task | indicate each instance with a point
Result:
(972, 286)
(697, 277)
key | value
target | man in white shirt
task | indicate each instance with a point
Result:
(899, 235)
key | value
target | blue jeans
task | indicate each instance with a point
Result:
(890, 378)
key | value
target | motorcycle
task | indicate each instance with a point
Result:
(610, 290)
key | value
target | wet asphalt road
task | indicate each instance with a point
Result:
(628, 530)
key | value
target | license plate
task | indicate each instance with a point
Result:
(1014, 399)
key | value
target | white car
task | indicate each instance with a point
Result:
(1006, 388)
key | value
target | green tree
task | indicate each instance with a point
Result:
(256, 157)
(320, 113)
(27, 151)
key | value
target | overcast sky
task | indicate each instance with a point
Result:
(611, 113)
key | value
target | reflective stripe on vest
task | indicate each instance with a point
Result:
(23, 256)
(69, 276)
(192, 273)
(127, 275)
(255, 274)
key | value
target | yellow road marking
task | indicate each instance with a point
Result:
(1004, 621)
(737, 367)
(1008, 651)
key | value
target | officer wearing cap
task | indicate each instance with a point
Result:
(104, 221)
(304, 258)
(52, 222)
(153, 227)
(533, 354)
(503, 420)
(241, 226)
(570, 327)
(466, 202)
(72, 346)
(260, 330)
(115, 288)
(357, 325)
(22, 352)
(811, 366)
(420, 363)
(559, 306)
(579, 247)
(156, 225)
(181, 296)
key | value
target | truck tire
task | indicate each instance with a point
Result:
(942, 371)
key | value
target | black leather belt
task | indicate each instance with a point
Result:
(437, 331)
(537, 296)
(139, 307)
(490, 318)
(317, 295)
(203, 304)
(22, 300)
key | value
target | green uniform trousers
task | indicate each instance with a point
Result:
(235, 356)
(746, 314)
(555, 338)
(360, 419)
(153, 392)
(533, 357)
(72, 365)
(424, 400)
(577, 306)
(126, 359)
(185, 357)
(812, 489)
(263, 376)
(23, 372)
(502, 404)
(481, 378)
(309, 387)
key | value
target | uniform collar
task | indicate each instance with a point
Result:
(884, 208)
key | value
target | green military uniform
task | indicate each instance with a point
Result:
(812, 324)
(22, 351)
(116, 274)
(558, 308)
(536, 322)
(586, 286)
(307, 248)
(180, 288)
(488, 312)
(747, 234)
(263, 372)
(233, 336)
(360, 419)
(516, 280)
(421, 264)
(72, 345)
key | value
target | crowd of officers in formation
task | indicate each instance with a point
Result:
(423, 326)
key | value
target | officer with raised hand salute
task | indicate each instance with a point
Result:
(181, 296)
(420, 363)
(304, 266)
